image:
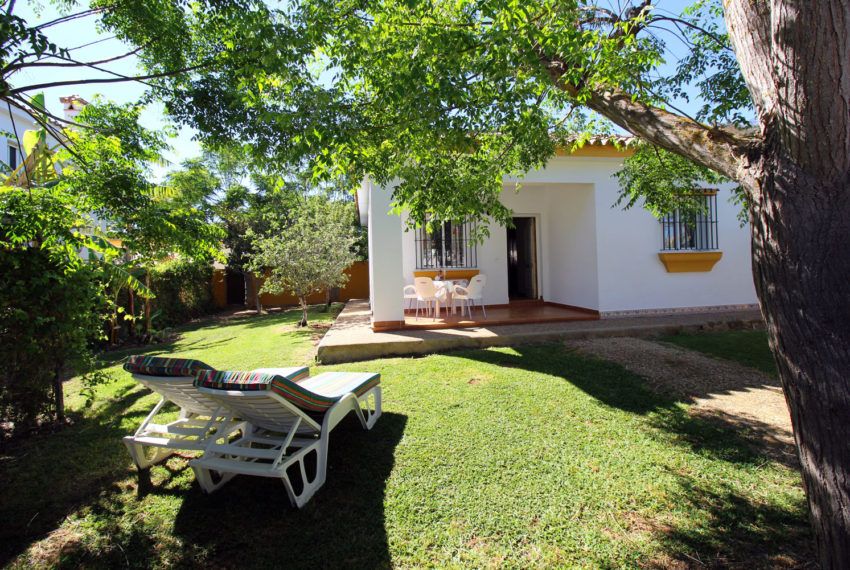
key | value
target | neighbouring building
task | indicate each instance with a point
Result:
(13, 124)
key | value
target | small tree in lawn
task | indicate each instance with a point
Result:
(310, 254)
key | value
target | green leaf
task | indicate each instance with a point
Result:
(37, 101)
(32, 138)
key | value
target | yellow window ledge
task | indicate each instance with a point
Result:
(449, 273)
(689, 261)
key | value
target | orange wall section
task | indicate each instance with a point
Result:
(219, 288)
(356, 288)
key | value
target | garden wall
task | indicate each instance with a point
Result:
(356, 288)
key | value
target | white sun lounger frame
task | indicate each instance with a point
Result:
(274, 435)
(200, 417)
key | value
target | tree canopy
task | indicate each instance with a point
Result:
(75, 219)
(445, 97)
(449, 97)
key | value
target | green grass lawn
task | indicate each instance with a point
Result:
(749, 348)
(523, 457)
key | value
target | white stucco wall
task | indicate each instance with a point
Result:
(566, 239)
(566, 245)
(572, 238)
(590, 253)
(385, 256)
(632, 277)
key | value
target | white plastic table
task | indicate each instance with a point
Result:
(447, 285)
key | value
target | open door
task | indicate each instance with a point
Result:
(522, 259)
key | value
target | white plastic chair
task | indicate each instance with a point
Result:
(410, 295)
(473, 293)
(426, 292)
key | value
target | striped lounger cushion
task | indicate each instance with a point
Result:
(159, 366)
(316, 394)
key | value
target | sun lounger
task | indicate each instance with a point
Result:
(286, 425)
(199, 417)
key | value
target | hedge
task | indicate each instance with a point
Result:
(183, 292)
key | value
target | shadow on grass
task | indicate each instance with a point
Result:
(746, 347)
(277, 316)
(618, 388)
(606, 382)
(740, 531)
(274, 315)
(113, 357)
(250, 520)
(47, 477)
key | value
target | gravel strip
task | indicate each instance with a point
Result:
(718, 389)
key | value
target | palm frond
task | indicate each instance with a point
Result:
(164, 192)
(120, 277)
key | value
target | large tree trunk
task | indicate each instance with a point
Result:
(801, 229)
(132, 310)
(113, 329)
(302, 300)
(795, 57)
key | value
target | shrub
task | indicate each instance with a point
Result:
(49, 315)
(183, 291)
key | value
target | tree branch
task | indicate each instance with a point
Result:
(139, 78)
(37, 31)
(28, 108)
(70, 17)
(69, 62)
(679, 21)
(713, 147)
(91, 43)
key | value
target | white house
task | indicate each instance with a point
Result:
(571, 246)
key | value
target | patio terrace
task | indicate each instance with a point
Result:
(515, 313)
(351, 337)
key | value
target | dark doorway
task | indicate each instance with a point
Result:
(522, 259)
(235, 282)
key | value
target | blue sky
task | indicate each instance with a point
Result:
(84, 31)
